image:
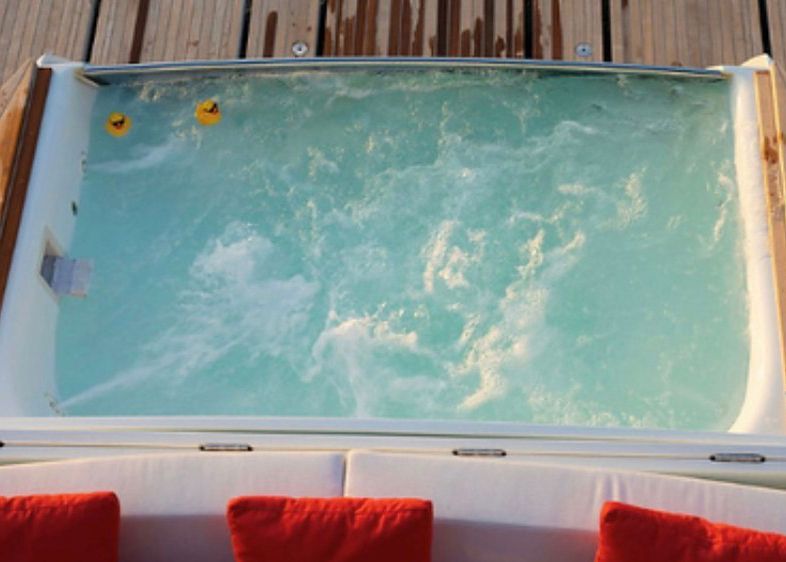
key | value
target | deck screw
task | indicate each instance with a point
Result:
(299, 48)
(583, 50)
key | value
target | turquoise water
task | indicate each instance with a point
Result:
(486, 245)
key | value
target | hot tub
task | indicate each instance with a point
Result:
(439, 241)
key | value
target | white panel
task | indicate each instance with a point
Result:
(173, 506)
(493, 510)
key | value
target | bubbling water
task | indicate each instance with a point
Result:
(490, 245)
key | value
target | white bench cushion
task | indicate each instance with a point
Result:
(497, 510)
(173, 506)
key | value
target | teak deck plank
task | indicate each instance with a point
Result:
(31, 28)
(477, 28)
(770, 102)
(688, 32)
(192, 30)
(382, 28)
(560, 26)
(114, 36)
(276, 25)
(776, 11)
(430, 28)
(463, 28)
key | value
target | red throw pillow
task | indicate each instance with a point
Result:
(635, 534)
(59, 528)
(279, 529)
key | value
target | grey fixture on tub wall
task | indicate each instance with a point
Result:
(67, 276)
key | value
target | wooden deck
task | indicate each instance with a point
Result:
(659, 32)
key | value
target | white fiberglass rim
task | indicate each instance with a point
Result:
(27, 325)
(763, 408)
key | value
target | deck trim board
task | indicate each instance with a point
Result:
(9, 88)
(769, 101)
(31, 98)
(13, 100)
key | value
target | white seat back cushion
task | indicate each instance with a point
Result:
(497, 510)
(173, 507)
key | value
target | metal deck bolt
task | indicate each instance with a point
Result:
(299, 48)
(583, 50)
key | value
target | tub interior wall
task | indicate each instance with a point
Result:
(30, 309)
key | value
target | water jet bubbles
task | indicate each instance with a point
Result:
(410, 244)
(623, 82)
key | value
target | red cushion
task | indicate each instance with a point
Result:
(59, 528)
(267, 529)
(634, 534)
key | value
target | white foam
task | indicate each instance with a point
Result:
(575, 189)
(674, 222)
(225, 306)
(434, 253)
(487, 356)
(634, 206)
(346, 350)
(509, 345)
(568, 407)
(144, 157)
(319, 163)
(450, 262)
(726, 188)
(532, 251)
(233, 257)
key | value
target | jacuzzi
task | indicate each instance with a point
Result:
(165, 406)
